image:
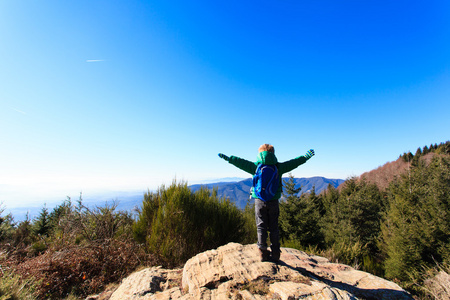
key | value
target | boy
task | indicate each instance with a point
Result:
(267, 212)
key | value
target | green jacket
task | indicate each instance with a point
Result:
(267, 158)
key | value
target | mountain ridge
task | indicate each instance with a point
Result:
(239, 192)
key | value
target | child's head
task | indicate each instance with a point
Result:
(266, 147)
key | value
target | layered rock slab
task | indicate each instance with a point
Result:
(235, 271)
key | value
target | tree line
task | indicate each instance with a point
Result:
(442, 148)
(401, 233)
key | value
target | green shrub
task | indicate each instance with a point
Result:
(38, 247)
(250, 223)
(353, 219)
(176, 223)
(80, 223)
(6, 226)
(294, 244)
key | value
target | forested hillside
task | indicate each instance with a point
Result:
(384, 175)
(400, 231)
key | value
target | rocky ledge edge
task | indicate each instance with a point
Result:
(234, 271)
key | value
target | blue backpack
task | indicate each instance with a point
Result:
(266, 182)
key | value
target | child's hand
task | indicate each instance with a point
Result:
(309, 154)
(224, 156)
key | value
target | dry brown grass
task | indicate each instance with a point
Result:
(81, 270)
(438, 286)
(259, 286)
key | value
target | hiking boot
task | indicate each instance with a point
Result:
(265, 255)
(275, 257)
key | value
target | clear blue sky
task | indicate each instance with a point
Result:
(127, 95)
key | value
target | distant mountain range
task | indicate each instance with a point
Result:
(236, 189)
(239, 192)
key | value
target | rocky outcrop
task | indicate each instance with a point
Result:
(235, 271)
(150, 283)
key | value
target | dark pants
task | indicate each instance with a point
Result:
(267, 214)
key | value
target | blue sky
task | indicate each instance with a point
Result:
(101, 96)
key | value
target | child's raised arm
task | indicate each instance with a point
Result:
(243, 164)
(290, 165)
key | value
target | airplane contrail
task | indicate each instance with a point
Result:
(94, 60)
(19, 111)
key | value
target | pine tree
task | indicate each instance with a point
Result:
(352, 220)
(416, 230)
(60, 211)
(23, 233)
(41, 225)
(299, 217)
(415, 160)
(289, 189)
(408, 157)
(329, 220)
(418, 152)
(366, 206)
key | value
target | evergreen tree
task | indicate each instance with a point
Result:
(299, 217)
(41, 226)
(289, 196)
(23, 234)
(59, 212)
(416, 157)
(352, 220)
(366, 207)
(330, 197)
(318, 201)
(446, 148)
(418, 152)
(416, 230)
(330, 219)
(289, 189)
(337, 226)
(408, 157)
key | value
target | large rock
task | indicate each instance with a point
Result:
(235, 271)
